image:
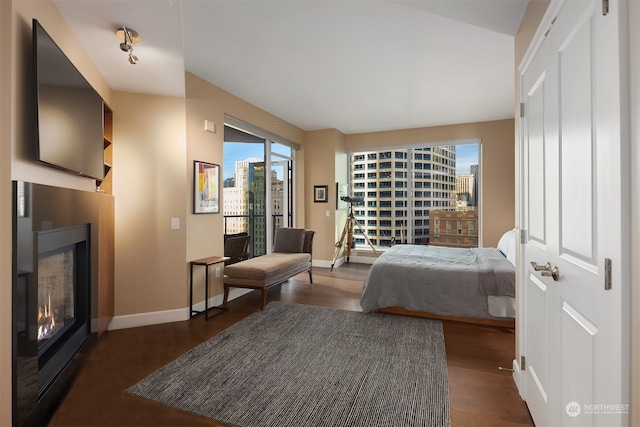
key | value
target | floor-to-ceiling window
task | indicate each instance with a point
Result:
(254, 201)
(419, 194)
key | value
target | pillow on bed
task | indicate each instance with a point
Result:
(507, 245)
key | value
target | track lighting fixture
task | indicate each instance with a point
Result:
(128, 37)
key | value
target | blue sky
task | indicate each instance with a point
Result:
(466, 155)
(235, 152)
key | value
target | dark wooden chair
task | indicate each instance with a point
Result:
(236, 247)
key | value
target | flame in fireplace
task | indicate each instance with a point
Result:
(46, 320)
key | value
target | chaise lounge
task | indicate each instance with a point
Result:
(291, 256)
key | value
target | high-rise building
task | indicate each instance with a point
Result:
(465, 188)
(476, 194)
(236, 199)
(399, 188)
(244, 204)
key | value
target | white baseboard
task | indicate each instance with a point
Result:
(151, 318)
(326, 264)
(168, 316)
(518, 378)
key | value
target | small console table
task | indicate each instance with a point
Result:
(206, 262)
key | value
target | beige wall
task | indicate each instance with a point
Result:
(149, 178)
(497, 165)
(322, 148)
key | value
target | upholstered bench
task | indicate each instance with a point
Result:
(291, 256)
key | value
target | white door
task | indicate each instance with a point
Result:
(576, 370)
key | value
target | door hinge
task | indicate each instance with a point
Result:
(523, 362)
(605, 7)
(523, 236)
(553, 21)
(522, 109)
(607, 274)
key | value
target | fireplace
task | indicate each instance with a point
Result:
(54, 294)
(62, 299)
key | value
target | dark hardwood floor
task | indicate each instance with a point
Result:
(480, 394)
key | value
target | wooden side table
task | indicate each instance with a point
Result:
(206, 262)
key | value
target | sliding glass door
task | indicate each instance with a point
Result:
(256, 202)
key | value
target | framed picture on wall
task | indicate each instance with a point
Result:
(206, 187)
(320, 193)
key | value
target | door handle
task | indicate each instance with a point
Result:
(537, 267)
(547, 270)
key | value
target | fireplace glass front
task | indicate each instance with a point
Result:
(56, 296)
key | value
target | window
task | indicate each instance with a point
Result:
(414, 182)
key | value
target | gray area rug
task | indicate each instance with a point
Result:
(300, 365)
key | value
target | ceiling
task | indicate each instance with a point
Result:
(354, 65)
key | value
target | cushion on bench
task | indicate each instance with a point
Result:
(268, 266)
(289, 240)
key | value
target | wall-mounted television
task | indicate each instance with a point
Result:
(69, 112)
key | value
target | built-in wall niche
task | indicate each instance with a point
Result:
(106, 185)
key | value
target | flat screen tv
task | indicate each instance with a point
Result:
(69, 112)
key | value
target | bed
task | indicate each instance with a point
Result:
(473, 284)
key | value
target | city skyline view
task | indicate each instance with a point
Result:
(466, 155)
(441, 176)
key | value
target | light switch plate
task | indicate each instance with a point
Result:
(175, 223)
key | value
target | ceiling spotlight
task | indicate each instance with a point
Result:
(128, 37)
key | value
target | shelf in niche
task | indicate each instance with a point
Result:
(105, 184)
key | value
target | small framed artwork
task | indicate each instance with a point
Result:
(320, 193)
(206, 187)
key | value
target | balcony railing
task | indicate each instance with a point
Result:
(254, 226)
